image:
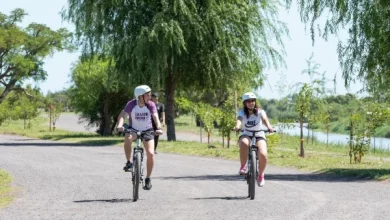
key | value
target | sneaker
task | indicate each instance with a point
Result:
(155, 152)
(242, 170)
(148, 184)
(128, 167)
(260, 181)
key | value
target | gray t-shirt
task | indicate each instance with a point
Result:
(251, 123)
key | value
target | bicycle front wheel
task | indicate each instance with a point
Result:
(252, 175)
(136, 175)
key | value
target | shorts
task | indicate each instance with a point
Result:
(147, 136)
(250, 138)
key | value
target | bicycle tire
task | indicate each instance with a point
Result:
(137, 175)
(252, 175)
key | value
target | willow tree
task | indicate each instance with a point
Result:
(175, 44)
(365, 55)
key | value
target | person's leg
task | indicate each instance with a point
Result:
(263, 159)
(129, 138)
(244, 148)
(149, 149)
(156, 142)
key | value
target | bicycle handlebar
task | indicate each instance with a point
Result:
(261, 130)
(128, 129)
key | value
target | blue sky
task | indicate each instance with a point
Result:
(298, 48)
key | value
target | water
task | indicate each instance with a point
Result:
(376, 142)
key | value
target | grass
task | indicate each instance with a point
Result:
(318, 157)
(5, 180)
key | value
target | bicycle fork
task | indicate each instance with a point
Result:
(255, 149)
(141, 166)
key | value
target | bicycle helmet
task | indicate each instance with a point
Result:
(248, 95)
(140, 90)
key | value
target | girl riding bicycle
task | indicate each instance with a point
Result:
(251, 117)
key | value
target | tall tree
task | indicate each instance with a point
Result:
(365, 55)
(97, 95)
(188, 44)
(22, 51)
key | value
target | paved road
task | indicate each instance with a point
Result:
(56, 180)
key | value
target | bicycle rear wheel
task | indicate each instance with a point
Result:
(252, 175)
(136, 175)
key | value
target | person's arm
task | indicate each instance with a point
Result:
(121, 119)
(163, 114)
(157, 122)
(266, 121)
(163, 119)
(238, 123)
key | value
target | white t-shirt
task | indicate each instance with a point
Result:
(253, 123)
(140, 118)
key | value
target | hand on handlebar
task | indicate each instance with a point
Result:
(120, 129)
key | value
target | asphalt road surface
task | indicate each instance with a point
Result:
(54, 180)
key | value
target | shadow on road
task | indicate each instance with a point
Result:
(59, 144)
(204, 177)
(104, 200)
(223, 198)
(309, 177)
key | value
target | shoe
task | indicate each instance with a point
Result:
(128, 167)
(148, 184)
(155, 152)
(242, 170)
(260, 181)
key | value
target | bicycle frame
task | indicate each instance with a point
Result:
(252, 172)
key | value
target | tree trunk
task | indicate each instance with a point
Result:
(170, 100)
(106, 116)
(115, 120)
(10, 86)
(302, 153)
(350, 140)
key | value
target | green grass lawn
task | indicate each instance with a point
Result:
(5, 189)
(319, 157)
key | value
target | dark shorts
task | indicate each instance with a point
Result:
(147, 136)
(250, 138)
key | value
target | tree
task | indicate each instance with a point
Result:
(18, 105)
(22, 51)
(365, 55)
(303, 108)
(177, 44)
(97, 95)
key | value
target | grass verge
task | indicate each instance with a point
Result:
(5, 189)
(319, 157)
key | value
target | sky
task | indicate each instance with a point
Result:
(298, 47)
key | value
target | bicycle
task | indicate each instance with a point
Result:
(138, 157)
(253, 160)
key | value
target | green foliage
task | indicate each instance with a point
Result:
(182, 44)
(5, 189)
(208, 115)
(18, 105)
(365, 55)
(22, 51)
(97, 95)
(60, 98)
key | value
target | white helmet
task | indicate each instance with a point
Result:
(140, 90)
(248, 95)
